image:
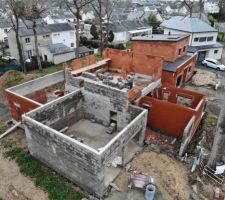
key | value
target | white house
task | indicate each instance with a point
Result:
(211, 6)
(124, 30)
(57, 53)
(47, 34)
(4, 28)
(203, 37)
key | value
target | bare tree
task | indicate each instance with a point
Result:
(190, 5)
(109, 6)
(16, 8)
(97, 6)
(75, 7)
(34, 9)
(201, 8)
(218, 148)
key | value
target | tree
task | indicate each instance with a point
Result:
(221, 15)
(218, 148)
(97, 6)
(2, 48)
(94, 32)
(190, 5)
(34, 9)
(16, 8)
(108, 6)
(111, 36)
(152, 21)
(75, 7)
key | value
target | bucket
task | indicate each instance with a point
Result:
(150, 192)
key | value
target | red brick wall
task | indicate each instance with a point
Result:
(25, 105)
(143, 64)
(160, 112)
(169, 79)
(169, 51)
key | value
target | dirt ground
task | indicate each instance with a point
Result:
(164, 170)
(13, 184)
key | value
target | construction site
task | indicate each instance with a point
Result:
(125, 124)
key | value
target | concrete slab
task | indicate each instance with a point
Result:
(93, 134)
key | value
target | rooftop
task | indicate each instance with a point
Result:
(46, 29)
(58, 48)
(188, 24)
(173, 66)
(194, 49)
(160, 37)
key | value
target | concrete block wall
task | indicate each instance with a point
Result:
(72, 159)
(62, 112)
(101, 99)
(136, 126)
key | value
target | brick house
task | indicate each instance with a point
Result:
(178, 65)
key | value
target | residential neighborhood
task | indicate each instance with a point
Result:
(112, 100)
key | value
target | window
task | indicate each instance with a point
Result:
(5, 30)
(189, 69)
(202, 39)
(210, 38)
(216, 51)
(72, 44)
(196, 39)
(56, 34)
(46, 36)
(184, 48)
(27, 40)
(29, 54)
(180, 51)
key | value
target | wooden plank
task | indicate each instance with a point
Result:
(98, 64)
(10, 130)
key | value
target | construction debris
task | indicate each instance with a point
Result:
(205, 78)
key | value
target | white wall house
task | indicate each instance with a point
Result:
(211, 7)
(48, 34)
(4, 28)
(57, 53)
(125, 30)
(203, 37)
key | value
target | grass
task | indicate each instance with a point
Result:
(98, 57)
(3, 127)
(128, 45)
(211, 121)
(14, 81)
(57, 187)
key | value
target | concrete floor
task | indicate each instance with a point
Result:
(93, 134)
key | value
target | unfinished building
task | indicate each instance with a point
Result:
(104, 112)
(101, 126)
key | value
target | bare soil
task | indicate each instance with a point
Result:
(165, 171)
(13, 184)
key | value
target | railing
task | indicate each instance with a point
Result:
(210, 173)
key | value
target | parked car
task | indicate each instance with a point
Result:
(209, 62)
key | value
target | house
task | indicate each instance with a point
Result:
(5, 26)
(47, 34)
(57, 53)
(178, 66)
(202, 36)
(60, 17)
(124, 30)
(211, 6)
